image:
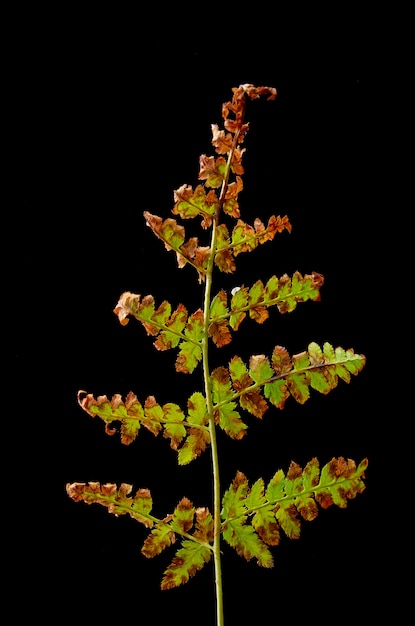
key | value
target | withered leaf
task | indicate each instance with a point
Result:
(220, 333)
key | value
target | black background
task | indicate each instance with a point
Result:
(129, 118)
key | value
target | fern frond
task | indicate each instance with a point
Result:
(172, 330)
(188, 431)
(284, 293)
(254, 516)
(190, 203)
(245, 238)
(117, 500)
(283, 376)
(236, 532)
(196, 548)
(189, 559)
(173, 236)
(195, 552)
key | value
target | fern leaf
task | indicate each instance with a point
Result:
(189, 203)
(129, 412)
(154, 320)
(276, 380)
(183, 515)
(162, 536)
(212, 171)
(224, 411)
(288, 292)
(173, 236)
(239, 306)
(190, 352)
(195, 443)
(245, 238)
(164, 532)
(173, 428)
(340, 482)
(284, 293)
(247, 542)
(198, 437)
(236, 532)
(230, 420)
(117, 501)
(224, 258)
(171, 329)
(318, 369)
(253, 517)
(223, 142)
(196, 549)
(219, 326)
(260, 369)
(191, 431)
(189, 559)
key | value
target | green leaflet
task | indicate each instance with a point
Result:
(224, 412)
(218, 306)
(239, 305)
(196, 406)
(284, 293)
(189, 559)
(117, 501)
(276, 392)
(196, 548)
(162, 536)
(260, 369)
(235, 531)
(273, 380)
(190, 352)
(198, 438)
(190, 204)
(263, 520)
(173, 428)
(244, 237)
(230, 420)
(279, 378)
(164, 532)
(173, 235)
(176, 329)
(171, 329)
(252, 517)
(190, 432)
(247, 542)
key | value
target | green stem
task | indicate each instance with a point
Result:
(213, 442)
(206, 375)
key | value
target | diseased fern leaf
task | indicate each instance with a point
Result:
(188, 431)
(173, 236)
(172, 330)
(196, 548)
(117, 500)
(284, 293)
(254, 516)
(236, 532)
(215, 172)
(178, 329)
(189, 203)
(245, 238)
(189, 559)
(282, 376)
